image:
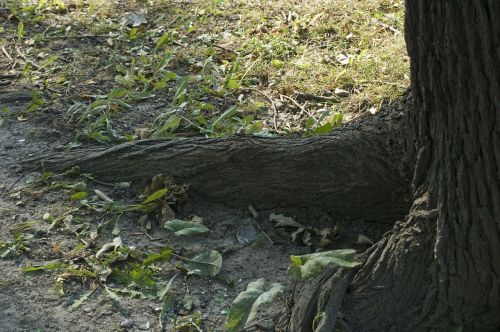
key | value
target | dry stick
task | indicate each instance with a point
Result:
(249, 68)
(365, 82)
(359, 117)
(18, 51)
(267, 236)
(387, 26)
(225, 49)
(7, 54)
(273, 105)
(306, 96)
(302, 108)
(12, 75)
(16, 181)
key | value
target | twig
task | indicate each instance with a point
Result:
(26, 59)
(302, 108)
(249, 68)
(359, 117)
(387, 26)
(309, 96)
(363, 82)
(273, 105)
(267, 236)
(13, 75)
(7, 54)
(225, 49)
(103, 196)
(14, 183)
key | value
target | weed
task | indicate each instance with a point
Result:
(20, 243)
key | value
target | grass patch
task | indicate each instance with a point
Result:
(142, 69)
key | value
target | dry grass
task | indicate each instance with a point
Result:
(270, 48)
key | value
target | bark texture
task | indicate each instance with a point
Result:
(440, 268)
(352, 172)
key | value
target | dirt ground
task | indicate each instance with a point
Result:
(29, 302)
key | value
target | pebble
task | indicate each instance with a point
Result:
(341, 93)
(127, 323)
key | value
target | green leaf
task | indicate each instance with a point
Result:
(156, 257)
(156, 195)
(324, 129)
(112, 293)
(118, 93)
(81, 300)
(36, 102)
(231, 111)
(163, 291)
(126, 80)
(167, 297)
(20, 30)
(160, 85)
(277, 63)
(247, 119)
(180, 94)
(208, 263)
(232, 84)
(162, 40)
(311, 265)
(185, 227)
(46, 267)
(79, 195)
(142, 277)
(50, 60)
(132, 35)
(246, 305)
(310, 122)
(168, 127)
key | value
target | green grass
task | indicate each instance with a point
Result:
(210, 68)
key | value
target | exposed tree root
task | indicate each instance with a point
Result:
(351, 172)
(320, 300)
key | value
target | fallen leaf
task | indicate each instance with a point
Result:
(135, 19)
(117, 242)
(283, 221)
(185, 227)
(245, 307)
(308, 266)
(208, 263)
(343, 59)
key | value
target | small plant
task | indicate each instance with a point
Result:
(20, 243)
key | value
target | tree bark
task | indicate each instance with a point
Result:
(440, 268)
(352, 172)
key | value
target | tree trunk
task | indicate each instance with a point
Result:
(440, 268)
